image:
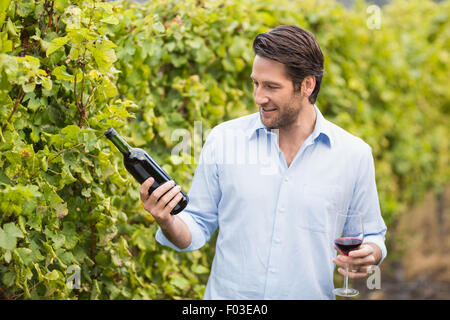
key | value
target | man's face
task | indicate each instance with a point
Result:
(279, 105)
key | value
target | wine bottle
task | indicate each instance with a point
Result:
(142, 166)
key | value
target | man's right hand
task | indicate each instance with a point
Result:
(161, 202)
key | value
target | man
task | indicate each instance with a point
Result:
(273, 182)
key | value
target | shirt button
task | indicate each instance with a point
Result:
(286, 179)
(281, 210)
(273, 270)
(277, 240)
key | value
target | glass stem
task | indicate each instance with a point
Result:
(346, 280)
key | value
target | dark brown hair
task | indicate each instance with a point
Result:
(297, 49)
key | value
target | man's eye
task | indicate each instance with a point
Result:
(269, 87)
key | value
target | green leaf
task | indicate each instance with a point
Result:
(33, 103)
(60, 5)
(143, 239)
(70, 233)
(101, 259)
(86, 192)
(199, 269)
(36, 253)
(66, 178)
(53, 275)
(159, 27)
(26, 8)
(95, 291)
(110, 20)
(61, 210)
(66, 257)
(9, 278)
(104, 55)
(179, 282)
(8, 256)
(12, 230)
(70, 133)
(11, 29)
(5, 44)
(57, 238)
(35, 221)
(108, 89)
(25, 254)
(4, 4)
(56, 44)
(196, 43)
(238, 47)
(9, 235)
(61, 74)
(28, 87)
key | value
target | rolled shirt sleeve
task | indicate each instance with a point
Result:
(365, 200)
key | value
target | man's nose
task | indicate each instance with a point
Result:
(260, 97)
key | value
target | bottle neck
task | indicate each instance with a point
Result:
(121, 144)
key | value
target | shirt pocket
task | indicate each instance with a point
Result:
(317, 207)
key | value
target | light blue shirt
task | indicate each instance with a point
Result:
(277, 223)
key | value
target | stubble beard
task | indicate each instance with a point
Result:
(287, 115)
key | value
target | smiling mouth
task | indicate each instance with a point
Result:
(266, 109)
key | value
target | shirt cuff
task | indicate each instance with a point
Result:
(379, 241)
(197, 237)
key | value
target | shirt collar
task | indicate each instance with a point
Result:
(321, 129)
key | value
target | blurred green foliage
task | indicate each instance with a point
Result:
(69, 69)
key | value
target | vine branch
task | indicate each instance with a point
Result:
(64, 151)
(18, 101)
(56, 156)
(92, 231)
(79, 104)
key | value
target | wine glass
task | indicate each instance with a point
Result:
(349, 235)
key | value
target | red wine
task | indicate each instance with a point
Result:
(345, 244)
(142, 166)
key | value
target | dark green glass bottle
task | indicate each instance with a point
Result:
(142, 166)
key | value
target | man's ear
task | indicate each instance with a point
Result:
(308, 85)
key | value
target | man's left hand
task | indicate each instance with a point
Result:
(359, 260)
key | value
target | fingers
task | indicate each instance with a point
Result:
(172, 204)
(362, 251)
(143, 190)
(363, 272)
(354, 275)
(347, 260)
(167, 198)
(362, 258)
(162, 201)
(159, 192)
